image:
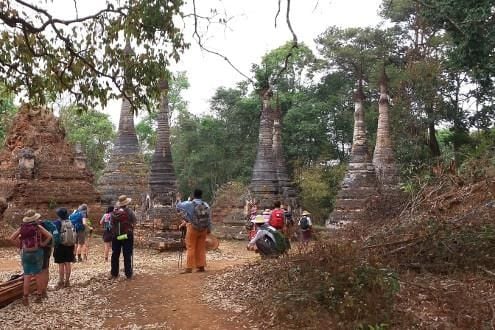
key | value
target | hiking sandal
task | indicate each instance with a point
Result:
(37, 300)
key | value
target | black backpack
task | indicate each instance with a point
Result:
(304, 223)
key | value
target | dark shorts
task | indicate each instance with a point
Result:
(63, 254)
(107, 236)
(81, 237)
(47, 253)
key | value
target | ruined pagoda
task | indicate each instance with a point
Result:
(264, 183)
(383, 156)
(163, 184)
(286, 189)
(360, 182)
(126, 173)
(39, 170)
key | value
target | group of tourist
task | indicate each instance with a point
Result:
(269, 232)
(67, 237)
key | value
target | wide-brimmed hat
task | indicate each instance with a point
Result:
(62, 213)
(258, 219)
(31, 215)
(123, 200)
(211, 242)
(306, 213)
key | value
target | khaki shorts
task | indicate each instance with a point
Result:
(81, 237)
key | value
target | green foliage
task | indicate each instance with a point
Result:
(470, 25)
(93, 130)
(146, 127)
(7, 112)
(44, 56)
(210, 151)
(318, 186)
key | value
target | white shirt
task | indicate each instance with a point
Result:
(262, 232)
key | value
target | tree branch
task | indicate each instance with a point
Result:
(278, 12)
(201, 45)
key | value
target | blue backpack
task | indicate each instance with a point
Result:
(50, 226)
(77, 221)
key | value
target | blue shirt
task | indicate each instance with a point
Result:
(188, 208)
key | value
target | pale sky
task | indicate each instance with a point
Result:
(248, 36)
(251, 33)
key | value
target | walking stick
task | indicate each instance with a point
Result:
(181, 248)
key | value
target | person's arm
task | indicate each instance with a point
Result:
(102, 219)
(15, 235)
(259, 235)
(46, 234)
(133, 217)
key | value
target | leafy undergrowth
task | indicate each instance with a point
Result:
(432, 266)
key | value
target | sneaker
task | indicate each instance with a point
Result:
(60, 285)
(44, 295)
(186, 271)
(111, 277)
(79, 259)
(25, 300)
(67, 284)
(201, 269)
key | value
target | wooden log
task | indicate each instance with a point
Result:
(12, 290)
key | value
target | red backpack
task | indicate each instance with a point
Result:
(277, 219)
(30, 236)
(121, 222)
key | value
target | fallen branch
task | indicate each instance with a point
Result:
(486, 271)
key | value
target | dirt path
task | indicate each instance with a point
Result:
(172, 300)
(157, 297)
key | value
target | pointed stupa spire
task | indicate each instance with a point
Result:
(162, 176)
(360, 181)
(383, 156)
(286, 189)
(126, 173)
(264, 182)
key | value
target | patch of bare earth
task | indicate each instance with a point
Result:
(157, 297)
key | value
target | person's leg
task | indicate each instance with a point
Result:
(61, 272)
(127, 246)
(26, 289)
(39, 287)
(191, 236)
(107, 249)
(116, 247)
(67, 271)
(85, 248)
(201, 250)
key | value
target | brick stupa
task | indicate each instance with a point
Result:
(264, 182)
(39, 170)
(360, 185)
(126, 172)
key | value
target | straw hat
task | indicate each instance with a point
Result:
(31, 215)
(123, 200)
(258, 219)
(211, 242)
(306, 213)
